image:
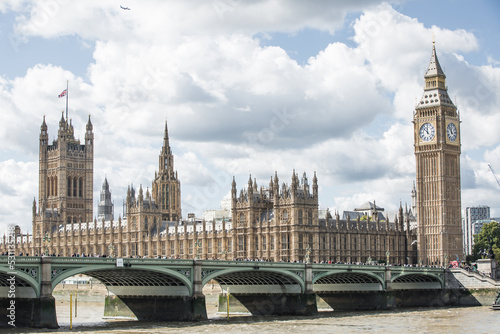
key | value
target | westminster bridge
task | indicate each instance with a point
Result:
(168, 289)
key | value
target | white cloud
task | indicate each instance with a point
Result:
(18, 186)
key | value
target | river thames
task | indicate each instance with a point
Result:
(419, 320)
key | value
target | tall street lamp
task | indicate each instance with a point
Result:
(197, 245)
(308, 252)
(111, 249)
(46, 241)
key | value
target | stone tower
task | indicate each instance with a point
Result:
(105, 207)
(437, 152)
(66, 169)
(166, 188)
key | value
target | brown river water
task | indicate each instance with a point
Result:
(90, 319)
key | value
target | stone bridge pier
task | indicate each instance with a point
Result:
(269, 291)
(177, 305)
(24, 305)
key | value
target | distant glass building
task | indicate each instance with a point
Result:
(472, 215)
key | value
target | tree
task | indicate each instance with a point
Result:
(489, 236)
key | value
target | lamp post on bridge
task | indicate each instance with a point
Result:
(224, 253)
(308, 252)
(46, 241)
(111, 249)
(387, 254)
(197, 245)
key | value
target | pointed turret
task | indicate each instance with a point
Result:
(89, 126)
(62, 122)
(166, 144)
(141, 196)
(34, 207)
(105, 206)
(315, 185)
(234, 194)
(105, 184)
(414, 199)
(250, 190)
(89, 137)
(43, 128)
(62, 133)
(166, 160)
(435, 91)
(400, 218)
(434, 68)
(44, 136)
(294, 182)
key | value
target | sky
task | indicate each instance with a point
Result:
(247, 88)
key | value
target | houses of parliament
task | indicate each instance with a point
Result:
(278, 221)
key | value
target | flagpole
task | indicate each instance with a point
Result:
(67, 92)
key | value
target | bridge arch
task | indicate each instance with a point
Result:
(134, 276)
(417, 281)
(263, 280)
(348, 280)
(26, 286)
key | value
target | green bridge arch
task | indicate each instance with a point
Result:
(21, 275)
(379, 278)
(217, 273)
(434, 276)
(104, 267)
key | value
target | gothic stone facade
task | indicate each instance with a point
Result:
(282, 224)
(278, 223)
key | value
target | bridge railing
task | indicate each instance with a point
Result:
(21, 259)
(176, 262)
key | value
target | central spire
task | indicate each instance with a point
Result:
(166, 145)
(434, 68)
(166, 159)
(435, 91)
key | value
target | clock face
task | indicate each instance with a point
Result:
(451, 131)
(427, 132)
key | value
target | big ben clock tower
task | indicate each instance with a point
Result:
(437, 152)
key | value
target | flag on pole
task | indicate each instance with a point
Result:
(63, 93)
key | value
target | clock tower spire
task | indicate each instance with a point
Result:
(437, 154)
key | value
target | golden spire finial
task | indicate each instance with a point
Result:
(433, 38)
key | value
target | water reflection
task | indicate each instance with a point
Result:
(440, 320)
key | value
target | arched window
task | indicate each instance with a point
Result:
(300, 217)
(69, 186)
(285, 215)
(75, 187)
(54, 189)
(309, 217)
(80, 187)
(242, 219)
(49, 186)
